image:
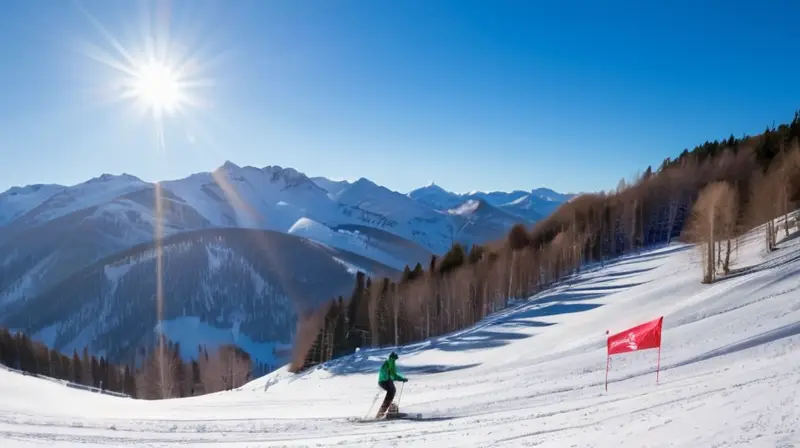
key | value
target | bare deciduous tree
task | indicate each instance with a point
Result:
(650, 209)
(763, 207)
(714, 218)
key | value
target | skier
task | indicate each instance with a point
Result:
(386, 380)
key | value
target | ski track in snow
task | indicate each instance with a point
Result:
(530, 375)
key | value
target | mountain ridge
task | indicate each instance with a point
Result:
(530, 205)
(52, 235)
(208, 273)
(276, 198)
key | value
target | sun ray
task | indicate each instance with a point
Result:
(205, 82)
(109, 37)
(159, 78)
(104, 57)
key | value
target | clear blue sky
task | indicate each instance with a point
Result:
(490, 95)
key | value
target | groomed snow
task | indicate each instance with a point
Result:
(531, 375)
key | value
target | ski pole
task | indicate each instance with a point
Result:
(402, 385)
(377, 394)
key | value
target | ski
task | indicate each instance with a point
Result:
(387, 417)
(403, 416)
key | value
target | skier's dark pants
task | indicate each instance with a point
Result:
(388, 386)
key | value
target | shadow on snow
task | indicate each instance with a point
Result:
(373, 364)
(488, 333)
(488, 336)
(654, 253)
(607, 287)
(779, 261)
(607, 276)
(477, 340)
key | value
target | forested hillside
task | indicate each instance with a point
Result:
(162, 373)
(710, 194)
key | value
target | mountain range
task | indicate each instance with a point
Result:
(238, 252)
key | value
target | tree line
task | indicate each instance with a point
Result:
(20, 352)
(710, 195)
(264, 309)
(162, 373)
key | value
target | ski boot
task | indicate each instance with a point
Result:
(392, 411)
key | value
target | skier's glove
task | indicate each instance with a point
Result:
(405, 380)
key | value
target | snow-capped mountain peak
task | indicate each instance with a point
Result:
(276, 198)
(550, 195)
(120, 178)
(93, 192)
(527, 205)
(432, 188)
(287, 177)
(20, 200)
(435, 196)
(290, 176)
(31, 189)
(366, 190)
(363, 181)
(272, 197)
(54, 233)
(229, 166)
(333, 187)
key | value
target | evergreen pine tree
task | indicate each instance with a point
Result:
(86, 365)
(94, 368)
(76, 368)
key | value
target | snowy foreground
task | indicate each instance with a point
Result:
(533, 375)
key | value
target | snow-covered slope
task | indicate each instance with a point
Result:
(530, 207)
(278, 199)
(91, 193)
(436, 197)
(371, 243)
(49, 234)
(372, 205)
(333, 187)
(481, 218)
(20, 200)
(417, 217)
(271, 198)
(529, 376)
(540, 203)
(547, 194)
(498, 197)
(249, 282)
(37, 257)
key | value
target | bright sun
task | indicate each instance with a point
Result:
(158, 87)
(160, 79)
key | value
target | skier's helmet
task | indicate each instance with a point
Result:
(393, 355)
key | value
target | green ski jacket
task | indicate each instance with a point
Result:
(389, 372)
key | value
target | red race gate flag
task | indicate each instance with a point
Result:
(640, 337)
